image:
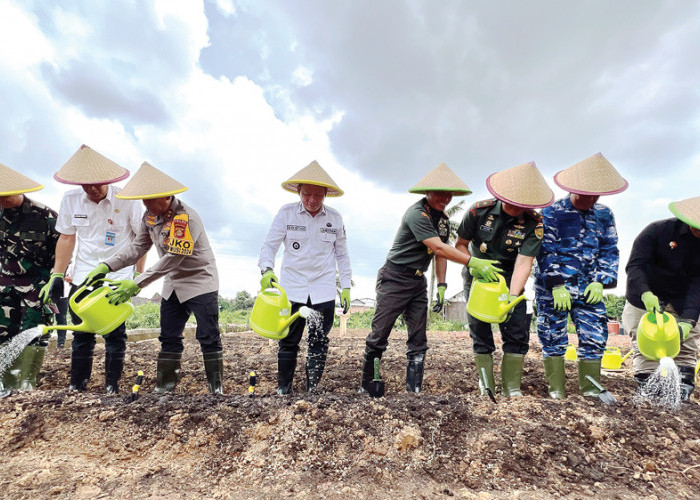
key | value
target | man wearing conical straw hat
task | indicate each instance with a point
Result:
(94, 224)
(579, 259)
(315, 245)
(401, 285)
(505, 228)
(27, 243)
(187, 264)
(663, 273)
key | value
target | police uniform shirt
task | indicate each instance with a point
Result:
(420, 222)
(186, 259)
(101, 229)
(493, 234)
(313, 247)
(665, 260)
(27, 243)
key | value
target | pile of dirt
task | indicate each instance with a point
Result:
(334, 442)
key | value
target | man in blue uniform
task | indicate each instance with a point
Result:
(663, 272)
(505, 228)
(579, 259)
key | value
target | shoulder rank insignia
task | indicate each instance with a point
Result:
(180, 241)
(485, 203)
(535, 215)
(539, 231)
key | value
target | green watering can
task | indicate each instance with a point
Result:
(658, 336)
(488, 302)
(90, 304)
(270, 316)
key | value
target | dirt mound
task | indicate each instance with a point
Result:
(447, 441)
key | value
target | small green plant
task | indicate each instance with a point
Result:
(145, 316)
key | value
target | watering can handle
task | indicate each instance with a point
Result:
(283, 294)
(659, 319)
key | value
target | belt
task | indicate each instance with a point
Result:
(404, 269)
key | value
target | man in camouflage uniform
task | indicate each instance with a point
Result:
(27, 244)
(507, 229)
(579, 258)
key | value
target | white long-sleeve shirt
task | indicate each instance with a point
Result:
(313, 247)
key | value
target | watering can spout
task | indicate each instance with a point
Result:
(515, 302)
(303, 312)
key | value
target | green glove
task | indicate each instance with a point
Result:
(593, 293)
(562, 298)
(345, 300)
(125, 290)
(440, 302)
(651, 302)
(685, 329)
(53, 289)
(484, 269)
(98, 273)
(267, 278)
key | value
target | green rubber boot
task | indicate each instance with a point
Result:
(588, 367)
(11, 376)
(511, 373)
(484, 362)
(32, 360)
(167, 371)
(554, 370)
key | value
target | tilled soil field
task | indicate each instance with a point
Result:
(335, 443)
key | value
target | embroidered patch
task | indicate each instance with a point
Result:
(151, 220)
(291, 227)
(539, 231)
(180, 241)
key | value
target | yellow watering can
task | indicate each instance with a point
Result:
(90, 304)
(270, 316)
(658, 336)
(570, 354)
(488, 302)
(613, 358)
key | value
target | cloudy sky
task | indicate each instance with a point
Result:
(231, 98)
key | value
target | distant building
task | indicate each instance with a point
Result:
(456, 308)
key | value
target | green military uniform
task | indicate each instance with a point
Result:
(493, 234)
(401, 286)
(27, 244)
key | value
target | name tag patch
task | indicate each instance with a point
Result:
(292, 227)
(329, 230)
(180, 241)
(110, 238)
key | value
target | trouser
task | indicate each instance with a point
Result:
(515, 332)
(317, 338)
(590, 321)
(61, 319)
(399, 292)
(174, 315)
(641, 365)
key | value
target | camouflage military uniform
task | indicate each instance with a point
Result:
(578, 248)
(27, 244)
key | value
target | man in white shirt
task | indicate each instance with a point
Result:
(314, 246)
(94, 224)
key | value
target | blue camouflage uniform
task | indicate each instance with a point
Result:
(578, 248)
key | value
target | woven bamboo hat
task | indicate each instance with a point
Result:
(148, 182)
(12, 182)
(87, 166)
(687, 210)
(522, 186)
(594, 176)
(441, 178)
(312, 174)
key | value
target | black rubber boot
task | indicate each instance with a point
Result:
(641, 379)
(167, 371)
(368, 368)
(214, 367)
(286, 364)
(687, 382)
(114, 365)
(315, 363)
(32, 359)
(80, 371)
(414, 372)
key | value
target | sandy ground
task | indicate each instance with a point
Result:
(334, 443)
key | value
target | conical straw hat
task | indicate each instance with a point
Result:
(12, 182)
(594, 176)
(312, 174)
(687, 210)
(148, 182)
(87, 166)
(441, 178)
(522, 185)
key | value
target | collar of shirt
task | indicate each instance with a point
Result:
(302, 209)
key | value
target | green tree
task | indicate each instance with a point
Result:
(242, 301)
